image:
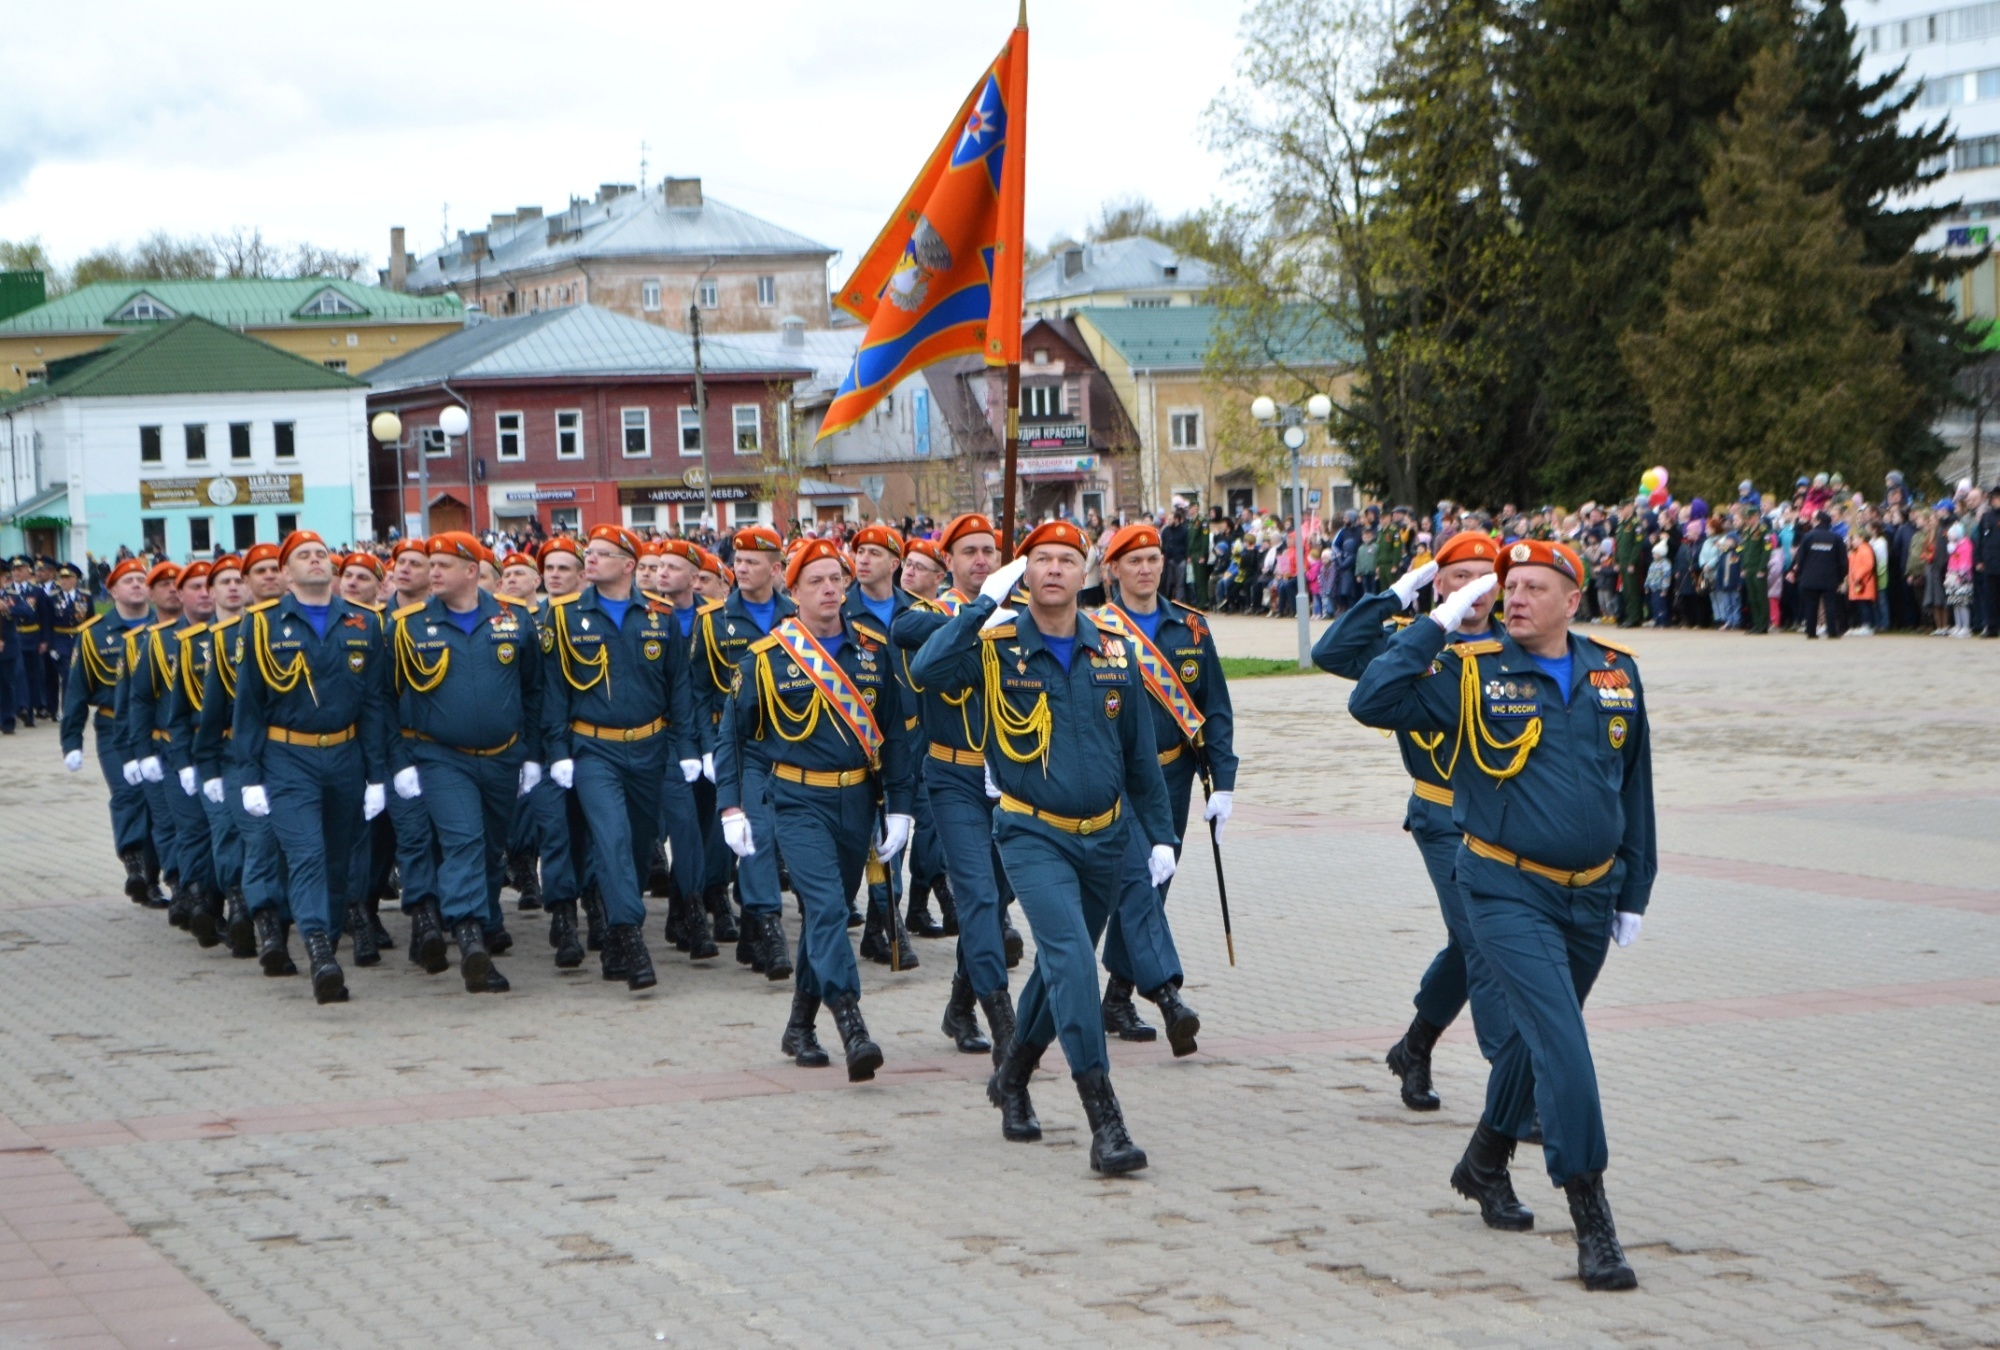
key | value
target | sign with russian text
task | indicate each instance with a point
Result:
(251, 489)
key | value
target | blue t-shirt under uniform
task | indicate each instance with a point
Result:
(316, 616)
(614, 609)
(763, 613)
(1061, 648)
(1149, 624)
(1556, 668)
(884, 610)
(686, 618)
(465, 622)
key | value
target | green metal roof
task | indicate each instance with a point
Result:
(261, 302)
(185, 356)
(1182, 335)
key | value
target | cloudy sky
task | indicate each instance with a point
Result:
(333, 124)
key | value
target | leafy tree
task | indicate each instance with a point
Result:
(1769, 360)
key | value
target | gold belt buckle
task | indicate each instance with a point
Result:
(1086, 826)
(626, 735)
(323, 741)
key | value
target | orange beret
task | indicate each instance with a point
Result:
(712, 564)
(1540, 553)
(298, 539)
(680, 548)
(519, 560)
(126, 569)
(194, 571)
(728, 575)
(650, 548)
(960, 526)
(364, 560)
(562, 543)
(757, 538)
(1130, 539)
(414, 543)
(882, 536)
(1468, 546)
(925, 548)
(1055, 532)
(618, 535)
(228, 562)
(261, 553)
(165, 571)
(455, 544)
(813, 551)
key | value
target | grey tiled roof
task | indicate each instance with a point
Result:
(1135, 264)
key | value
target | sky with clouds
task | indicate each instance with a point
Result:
(333, 124)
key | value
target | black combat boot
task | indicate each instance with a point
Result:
(774, 953)
(1481, 1177)
(801, 1041)
(329, 986)
(947, 906)
(1183, 1024)
(999, 1006)
(475, 963)
(1112, 1151)
(285, 932)
(392, 885)
(961, 1020)
(496, 983)
(611, 957)
(659, 879)
(366, 953)
(376, 928)
(236, 920)
(1410, 1061)
(716, 900)
(864, 1057)
(180, 909)
(700, 944)
(1007, 1089)
(905, 954)
(203, 921)
(750, 942)
(874, 939)
(674, 932)
(638, 962)
(1121, 1019)
(272, 951)
(917, 920)
(525, 878)
(1600, 1261)
(499, 941)
(1010, 936)
(562, 935)
(593, 918)
(427, 942)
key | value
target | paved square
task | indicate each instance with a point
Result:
(1800, 1058)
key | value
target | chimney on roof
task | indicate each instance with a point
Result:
(683, 192)
(611, 191)
(1072, 262)
(399, 259)
(794, 330)
(498, 223)
(524, 214)
(475, 246)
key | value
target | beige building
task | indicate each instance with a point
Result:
(650, 255)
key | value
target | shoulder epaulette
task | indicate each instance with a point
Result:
(512, 600)
(1485, 647)
(407, 610)
(368, 605)
(558, 601)
(994, 634)
(1402, 620)
(865, 631)
(193, 630)
(88, 622)
(160, 627)
(930, 606)
(221, 624)
(1614, 646)
(708, 606)
(1189, 608)
(656, 598)
(764, 644)
(261, 605)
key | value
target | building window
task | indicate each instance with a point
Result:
(149, 445)
(195, 437)
(705, 294)
(436, 444)
(749, 429)
(767, 290)
(327, 303)
(198, 536)
(1184, 430)
(690, 432)
(645, 517)
(1149, 302)
(287, 522)
(239, 440)
(649, 296)
(142, 309)
(244, 529)
(566, 519)
(507, 434)
(638, 433)
(1041, 400)
(339, 366)
(746, 513)
(282, 435)
(153, 534)
(569, 434)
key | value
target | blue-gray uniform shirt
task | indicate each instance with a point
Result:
(951, 717)
(487, 692)
(723, 632)
(615, 675)
(142, 695)
(1188, 643)
(349, 667)
(215, 721)
(183, 702)
(105, 647)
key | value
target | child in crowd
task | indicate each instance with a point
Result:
(1728, 594)
(1958, 581)
(1607, 580)
(1659, 580)
(1861, 582)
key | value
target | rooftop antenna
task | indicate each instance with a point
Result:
(444, 225)
(643, 148)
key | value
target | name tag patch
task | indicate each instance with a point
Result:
(1512, 698)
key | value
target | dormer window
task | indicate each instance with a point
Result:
(142, 308)
(328, 303)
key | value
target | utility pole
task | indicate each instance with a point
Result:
(701, 422)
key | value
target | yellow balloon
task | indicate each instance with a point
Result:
(1649, 480)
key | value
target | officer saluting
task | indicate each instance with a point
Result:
(1069, 747)
(311, 734)
(815, 720)
(1553, 790)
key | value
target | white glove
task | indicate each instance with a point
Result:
(1161, 864)
(212, 789)
(1624, 928)
(132, 775)
(992, 788)
(690, 770)
(707, 768)
(255, 802)
(152, 770)
(997, 617)
(73, 760)
(1407, 585)
(1451, 610)
(407, 785)
(188, 785)
(1002, 583)
(1220, 804)
(373, 799)
(895, 834)
(736, 834)
(531, 774)
(563, 773)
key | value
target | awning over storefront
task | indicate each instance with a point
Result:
(51, 503)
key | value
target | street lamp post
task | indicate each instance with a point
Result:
(1290, 423)
(387, 428)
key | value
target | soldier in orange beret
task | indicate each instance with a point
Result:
(102, 643)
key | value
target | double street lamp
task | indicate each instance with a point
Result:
(387, 428)
(1290, 423)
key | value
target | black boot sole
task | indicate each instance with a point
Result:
(1181, 1032)
(432, 954)
(1401, 1063)
(202, 925)
(1118, 1164)
(476, 970)
(329, 987)
(1462, 1183)
(863, 1061)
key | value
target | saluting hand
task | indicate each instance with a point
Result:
(1001, 584)
(1407, 585)
(1451, 610)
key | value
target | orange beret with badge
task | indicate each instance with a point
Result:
(260, 553)
(194, 571)
(562, 543)
(882, 536)
(125, 569)
(1468, 546)
(414, 543)
(812, 551)
(959, 526)
(617, 536)
(924, 548)
(1056, 532)
(296, 540)
(364, 560)
(228, 562)
(455, 544)
(1130, 539)
(1539, 553)
(679, 548)
(757, 539)
(711, 563)
(165, 571)
(519, 560)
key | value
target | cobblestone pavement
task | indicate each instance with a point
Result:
(1799, 1061)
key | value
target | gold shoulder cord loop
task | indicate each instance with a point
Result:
(1430, 747)
(776, 712)
(101, 672)
(161, 672)
(190, 686)
(1009, 725)
(225, 672)
(1472, 729)
(281, 679)
(571, 658)
(411, 669)
(720, 676)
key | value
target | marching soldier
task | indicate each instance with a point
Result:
(34, 618)
(875, 599)
(13, 683)
(616, 720)
(223, 889)
(146, 677)
(1552, 790)
(521, 579)
(197, 895)
(559, 827)
(1067, 758)
(816, 719)
(691, 904)
(104, 643)
(69, 609)
(723, 635)
(1193, 721)
(409, 582)
(923, 577)
(469, 690)
(311, 733)
(712, 584)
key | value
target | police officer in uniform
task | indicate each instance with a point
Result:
(69, 609)
(1071, 752)
(816, 723)
(102, 643)
(1553, 792)
(311, 735)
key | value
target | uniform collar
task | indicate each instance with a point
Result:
(1584, 656)
(435, 610)
(291, 604)
(856, 604)
(1031, 640)
(736, 607)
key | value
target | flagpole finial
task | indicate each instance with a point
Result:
(1022, 22)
